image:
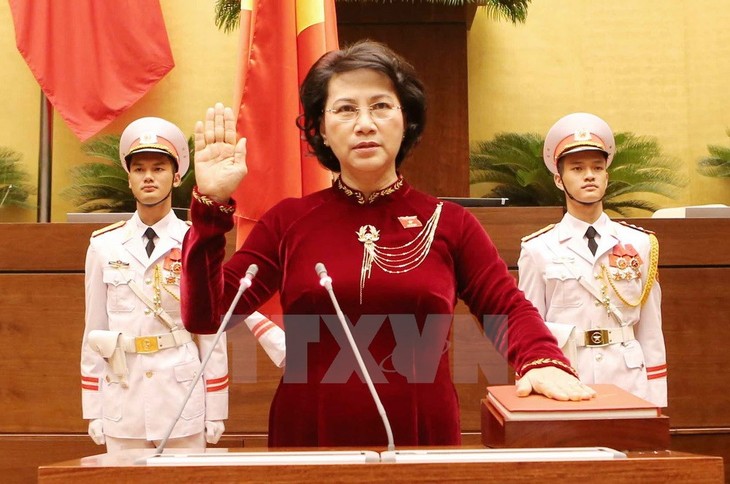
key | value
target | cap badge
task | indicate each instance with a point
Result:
(582, 135)
(148, 138)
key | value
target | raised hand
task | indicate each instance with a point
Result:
(220, 162)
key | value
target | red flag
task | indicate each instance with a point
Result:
(93, 59)
(280, 40)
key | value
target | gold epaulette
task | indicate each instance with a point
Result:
(640, 229)
(539, 232)
(108, 228)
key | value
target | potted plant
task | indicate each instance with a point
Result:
(513, 161)
(14, 181)
(718, 163)
(228, 11)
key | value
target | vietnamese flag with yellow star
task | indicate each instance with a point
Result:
(280, 40)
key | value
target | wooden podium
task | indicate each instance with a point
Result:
(660, 467)
(620, 434)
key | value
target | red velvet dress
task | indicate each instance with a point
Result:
(321, 400)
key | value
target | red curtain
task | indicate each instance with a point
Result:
(93, 59)
(280, 40)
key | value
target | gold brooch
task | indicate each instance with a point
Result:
(368, 234)
(395, 260)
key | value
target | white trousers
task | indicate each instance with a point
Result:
(195, 441)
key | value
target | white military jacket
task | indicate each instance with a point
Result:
(142, 404)
(550, 265)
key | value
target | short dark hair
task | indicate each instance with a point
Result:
(364, 54)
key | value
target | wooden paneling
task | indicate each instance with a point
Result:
(51, 247)
(507, 225)
(696, 326)
(42, 322)
(41, 326)
(707, 443)
(433, 40)
(398, 12)
(689, 242)
(27, 247)
(21, 455)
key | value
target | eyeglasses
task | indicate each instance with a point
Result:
(348, 112)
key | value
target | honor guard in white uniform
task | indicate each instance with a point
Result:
(137, 359)
(593, 280)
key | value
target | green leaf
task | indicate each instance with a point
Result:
(513, 161)
(718, 164)
(15, 186)
(227, 12)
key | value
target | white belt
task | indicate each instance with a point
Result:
(154, 343)
(604, 336)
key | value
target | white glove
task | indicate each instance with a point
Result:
(96, 431)
(271, 337)
(213, 431)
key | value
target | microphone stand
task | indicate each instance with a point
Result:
(7, 191)
(326, 282)
(244, 284)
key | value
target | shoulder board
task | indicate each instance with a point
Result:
(640, 229)
(189, 223)
(539, 232)
(108, 228)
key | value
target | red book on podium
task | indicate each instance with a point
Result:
(614, 418)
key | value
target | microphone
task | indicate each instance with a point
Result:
(251, 272)
(7, 191)
(326, 281)
(244, 283)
